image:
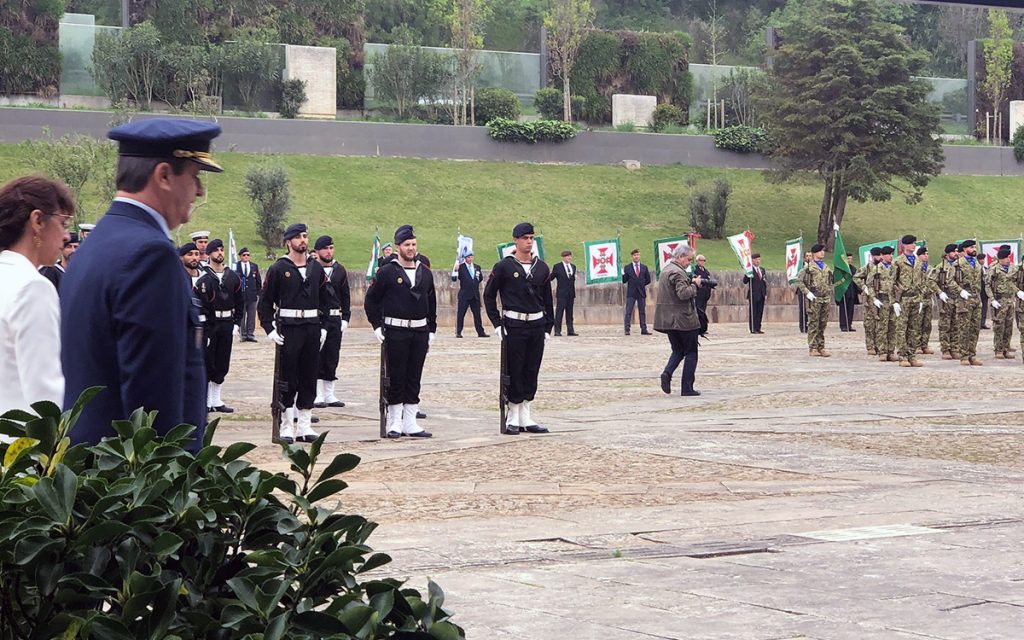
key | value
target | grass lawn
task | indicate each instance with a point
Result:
(348, 197)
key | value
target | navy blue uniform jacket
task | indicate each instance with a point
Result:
(636, 286)
(129, 323)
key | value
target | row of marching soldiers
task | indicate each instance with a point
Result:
(900, 293)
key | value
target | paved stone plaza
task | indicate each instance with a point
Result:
(796, 498)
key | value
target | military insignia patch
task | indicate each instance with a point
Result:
(399, 281)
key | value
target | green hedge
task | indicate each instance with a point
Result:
(495, 102)
(506, 130)
(666, 115)
(741, 139)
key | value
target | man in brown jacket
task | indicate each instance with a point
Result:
(675, 314)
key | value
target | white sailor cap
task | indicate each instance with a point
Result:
(199, 234)
(86, 226)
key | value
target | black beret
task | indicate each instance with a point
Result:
(908, 239)
(72, 239)
(1005, 246)
(294, 230)
(186, 248)
(755, 256)
(403, 233)
(215, 244)
(244, 251)
(566, 253)
(323, 242)
(922, 250)
(950, 248)
(967, 243)
(817, 247)
(1004, 252)
(522, 229)
(888, 251)
(876, 251)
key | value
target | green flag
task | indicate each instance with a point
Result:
(842, 273)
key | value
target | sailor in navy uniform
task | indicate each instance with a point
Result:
(201, 239)
(189, 254)
(127, 306)
(55, 273)
(525, 322)
(401, 305)
(291, 310)
(335, 289)
(219, 291)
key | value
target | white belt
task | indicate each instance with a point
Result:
(298, 313)
(223, 314)
(202, 318)
(524, 317)
(405, 324)
(334, 312)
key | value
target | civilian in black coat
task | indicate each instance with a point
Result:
(850, 299)
(703, 293)
(636, 276)
(469, 278)
(564, 273)
(252, 281)
(757, 293)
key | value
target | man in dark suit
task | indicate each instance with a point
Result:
(850, 299)
(252, 283)
(469, 278)
(757, 292)
(565, 274)
(703, 293)
(636, 276)
(127, 306)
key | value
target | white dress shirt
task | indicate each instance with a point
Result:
(29, 336)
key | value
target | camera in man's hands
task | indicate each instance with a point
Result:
(709, 283)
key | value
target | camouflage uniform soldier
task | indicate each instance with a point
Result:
(942, 277)
(1018, 280)
(815, 282)
(907, 289)
(1001, 293)
(861, 279)
(928, 293)
(880, 291)
(967, 277)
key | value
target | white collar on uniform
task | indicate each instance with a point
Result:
(151, 211)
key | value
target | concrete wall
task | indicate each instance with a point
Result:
(464, 143)
(317, 66)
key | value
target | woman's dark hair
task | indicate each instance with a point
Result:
(21, 196)
(133, 172)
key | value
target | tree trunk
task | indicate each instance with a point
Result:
(826, 208)
(566, 97)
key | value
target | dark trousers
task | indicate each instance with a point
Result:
(524, 351)
(331, 351)
(301, 348)
(406, 353)
(473, 304)
(802, 305)
(218, 349)
(564, 306)
(248, 324)
(845, 314)
(756, 314)
(684, 350)
(627, 320)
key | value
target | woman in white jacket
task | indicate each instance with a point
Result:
(35, 213)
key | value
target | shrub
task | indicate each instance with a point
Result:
(553, 130)
(626, 127)
(293, 96)
(741, 139)
(250, 65)
(1018, 143)
(27, 66)
(700, 212)
(495, 102)
(719, 207)
(404, 76)
(128, 65)
(135, 537)
(665, 115)
(77, 160)
(578, 105)
(186, 75)
(507, 130)
(548, 102)
(351, 89)
(268, 190)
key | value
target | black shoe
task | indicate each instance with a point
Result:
(852, 330)
(394, 435)
(314, 419)
(573, 333)
(307, 439)
(287, 440)
(558, 335)
(420, 434)
(511, 430)
(482, 335)
(336, 403)
(759, 332)
(536, 428)
(627, 333)
(420, 415)
(666, 383)
(319, 405)
(224, 409)
(646, 333)
(458, 335)
(689, 392)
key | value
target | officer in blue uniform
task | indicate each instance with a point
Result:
(127, 306)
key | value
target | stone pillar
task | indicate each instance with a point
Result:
(630, 109)
(318, 67)
(1016, 116)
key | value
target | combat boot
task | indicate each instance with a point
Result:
(815, 353)
(904, 362)
(1000, 355)
(947, 355)
(883, 358)
(975, 361)
(955, 354)
(892, 358)
(872, 352)
(927, 351)
(965, 361)
(824, 354)
(914, 362)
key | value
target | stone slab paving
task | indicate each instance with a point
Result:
(798, 498)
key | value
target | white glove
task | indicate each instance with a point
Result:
(237, 331)
(811, 296)
(323, 337)
(996, 305)
(1020, 294)
(344, 325)
(547, 336)
(430, 339)
(920, 307)
(897, 309)
(499, 332)
(379, 334)
(276, 338)
(964, 294)
(877, 303)
(943, 296)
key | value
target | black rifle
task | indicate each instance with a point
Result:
(385, 382)
(276, 403)
(503, 382)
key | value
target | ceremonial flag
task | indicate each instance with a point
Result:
(371, 270)
(232, 248)
(740, 244)
(865, 250)
(989, 249)
(463, 247)
(794, 259)
(842, 273)
(663, 251)
(506, 249)
(602, 257)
